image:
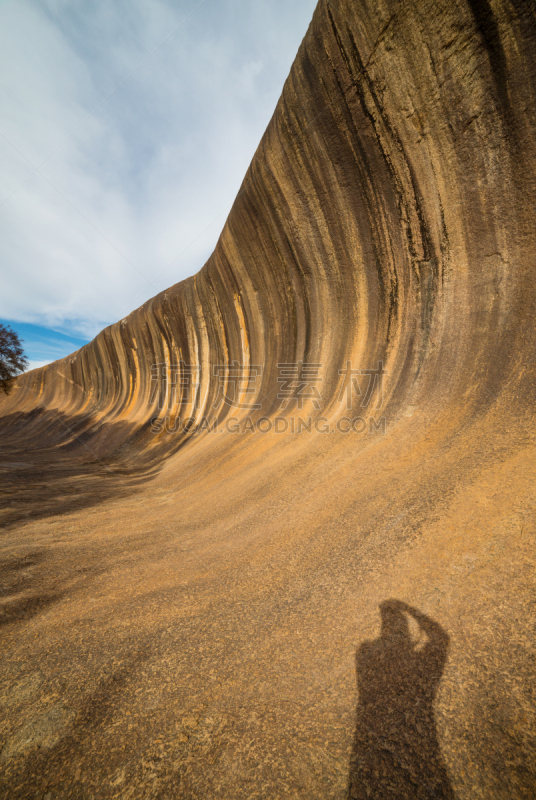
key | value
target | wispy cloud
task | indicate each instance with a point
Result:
(126, 185)
(42, 345)
(36, 364)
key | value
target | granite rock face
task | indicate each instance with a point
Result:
(188, 604)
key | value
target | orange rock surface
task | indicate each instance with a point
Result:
(185, 612)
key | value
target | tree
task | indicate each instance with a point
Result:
(12, 358)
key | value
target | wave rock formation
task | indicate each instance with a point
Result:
(187, 580)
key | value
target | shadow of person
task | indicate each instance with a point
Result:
(396, 752)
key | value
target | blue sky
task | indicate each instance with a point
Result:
(126, 130)
(43, 345)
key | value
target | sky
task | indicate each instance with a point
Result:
(126, 129)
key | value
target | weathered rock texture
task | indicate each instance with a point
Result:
(183, 610)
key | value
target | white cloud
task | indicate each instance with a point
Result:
(141, 154)
(36, 365)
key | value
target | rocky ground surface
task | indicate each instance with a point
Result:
(335, 613)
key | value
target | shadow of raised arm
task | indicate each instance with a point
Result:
(396, 751)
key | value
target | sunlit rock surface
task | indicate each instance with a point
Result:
(242, 611)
